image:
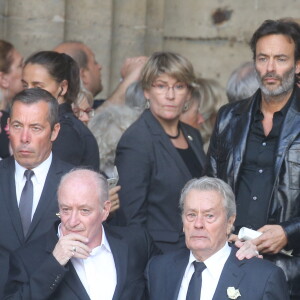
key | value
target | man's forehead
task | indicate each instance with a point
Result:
(207, 199)
(41, 107)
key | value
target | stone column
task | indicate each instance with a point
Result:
(3, 18)
(128, 34)
(32, 26)
(155, 26)
(90, 22)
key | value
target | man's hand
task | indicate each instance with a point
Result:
(272, 240)
(114, 198)
(132, 67)
(246, 248)
(71, 245)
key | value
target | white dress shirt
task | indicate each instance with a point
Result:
(210, 276)
(98, 273)
(38, 181)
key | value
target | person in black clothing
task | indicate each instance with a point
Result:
(255, 149)
(158, 154)
(58, 73)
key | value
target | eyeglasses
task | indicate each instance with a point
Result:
(162, 88)
(79, 113)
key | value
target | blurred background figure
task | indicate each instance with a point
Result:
(242, 82)
(83, 105)
(205, 103)
(158, 154)
(58, 73)
(11, 64)
(90, 71)
(134, 96)
(108, 125)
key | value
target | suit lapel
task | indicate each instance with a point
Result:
(195, 144)
(231, 276)
(48, 194)
(159, 136)
(9, 195)
(120, 253)
(73, 281)
(242, 122)
(176, 273)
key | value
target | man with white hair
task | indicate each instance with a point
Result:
(81, 258)
(209, 268)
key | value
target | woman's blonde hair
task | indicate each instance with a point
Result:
(172, 64)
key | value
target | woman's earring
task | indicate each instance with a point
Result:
(186, 106)
(147, 104)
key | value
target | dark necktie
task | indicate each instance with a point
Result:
(26, 200)
(194, 289)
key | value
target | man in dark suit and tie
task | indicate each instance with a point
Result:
(29, 179)
(209, 268)
(81, 258)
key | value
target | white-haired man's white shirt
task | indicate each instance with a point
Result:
(97, 273)
(210, 276)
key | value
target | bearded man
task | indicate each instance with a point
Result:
(255, 148)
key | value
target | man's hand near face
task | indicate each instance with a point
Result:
(71, 245)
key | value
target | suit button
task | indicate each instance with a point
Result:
(254, 198)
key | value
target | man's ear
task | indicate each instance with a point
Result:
(55, 132)
(84, 76)
(106, 210)
(230, 224)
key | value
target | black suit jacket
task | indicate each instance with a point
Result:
(255, 278)
(75, 143)
(41, 277)
(152, 174)
(11, 231)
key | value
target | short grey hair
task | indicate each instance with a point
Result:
(242, 82)
(211, 184)
(93, 177)
(108, 125)
(134, 96)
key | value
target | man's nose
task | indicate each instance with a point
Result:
(271, 65)
(198, 223)
(73, 220)
(25, 136)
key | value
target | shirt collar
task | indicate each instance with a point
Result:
(40, 172)
(214, 264)
(258, 115)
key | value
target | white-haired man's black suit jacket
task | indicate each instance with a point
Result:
(41, 277)
(255, 278)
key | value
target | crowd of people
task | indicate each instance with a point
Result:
(144, 195)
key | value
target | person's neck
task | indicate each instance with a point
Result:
(170, 126)
(272, 104)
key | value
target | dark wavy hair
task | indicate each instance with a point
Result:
(287, 27)
(61, 67)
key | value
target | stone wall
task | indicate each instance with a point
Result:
(213, 34)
